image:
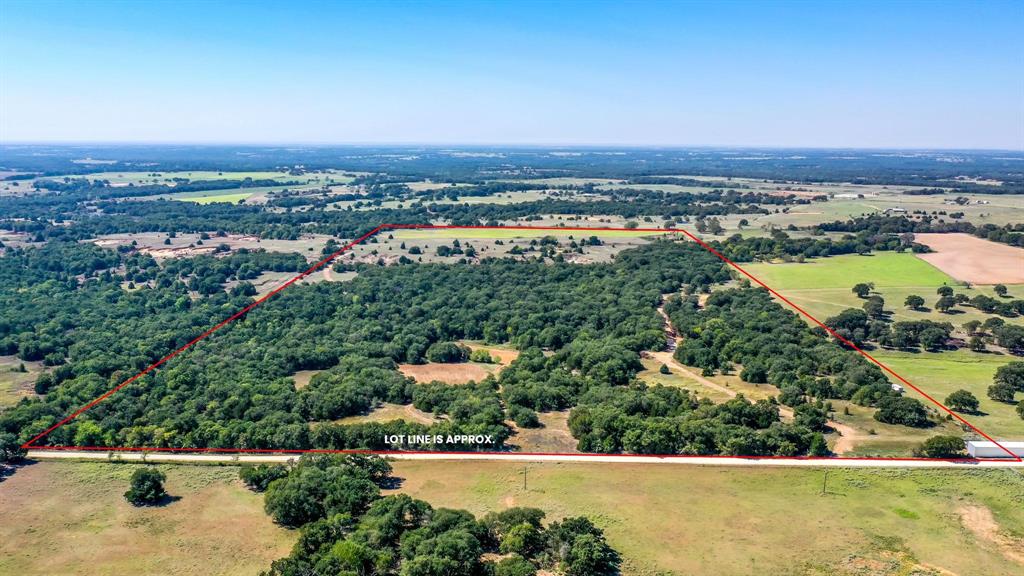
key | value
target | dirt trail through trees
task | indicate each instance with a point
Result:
(848, 436)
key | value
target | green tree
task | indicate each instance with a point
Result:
(515, 566)
(523, 539)
(147, 487)
(945, 303)
(914, 302)
(1012, 375)
(1020, 409)
(874, 306)
(1001, 392)
(962, 401)
(664, 369)
(945, 291)
(1000, 290)
(942, 447)
(862, 289)
(10, 448)
(447, 352)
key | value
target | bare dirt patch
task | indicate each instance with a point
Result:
(981, 523)
(461, 373)
(972, 259)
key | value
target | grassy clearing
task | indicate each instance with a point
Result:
(387, 412)
(941, 373)
(15, 384)
(739, 521)
(71, 518)
(822, 286)
(461, 373)
(553, 437)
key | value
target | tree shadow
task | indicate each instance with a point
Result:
(9, 468)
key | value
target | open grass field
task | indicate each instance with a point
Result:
(940, 373)
(742, 521)
(822, 286)
(496, 243)
(63, 519)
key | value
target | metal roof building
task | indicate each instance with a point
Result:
(986, 449)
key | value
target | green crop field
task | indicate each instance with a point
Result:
(822, 286)
(668, 519)
(940, 373)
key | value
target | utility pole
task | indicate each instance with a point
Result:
(524, 478)
(824, 483)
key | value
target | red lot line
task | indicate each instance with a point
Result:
(362, 238)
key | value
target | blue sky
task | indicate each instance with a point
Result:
(907, 74)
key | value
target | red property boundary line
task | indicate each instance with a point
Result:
(382, 227)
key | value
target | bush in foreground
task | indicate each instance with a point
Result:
(942, 447)
(147, 487)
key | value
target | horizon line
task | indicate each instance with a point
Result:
(506, 145)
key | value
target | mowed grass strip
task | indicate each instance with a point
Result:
(674, 519)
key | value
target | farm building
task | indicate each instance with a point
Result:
(986, 449)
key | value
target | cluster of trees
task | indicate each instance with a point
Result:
(347, 527)
(744, 329)
(662, 420)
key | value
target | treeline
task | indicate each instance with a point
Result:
(1012, 234)
(347, 527)
(782, 246)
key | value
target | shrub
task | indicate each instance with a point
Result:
(942, 447)
(524, 417)
(481, 356)
(147, 487)
(259, 477)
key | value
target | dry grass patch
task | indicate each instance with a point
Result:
(63, 518)
(460, 373)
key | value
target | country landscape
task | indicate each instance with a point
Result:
(451, 288)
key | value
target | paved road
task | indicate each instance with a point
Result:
(514, 457)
